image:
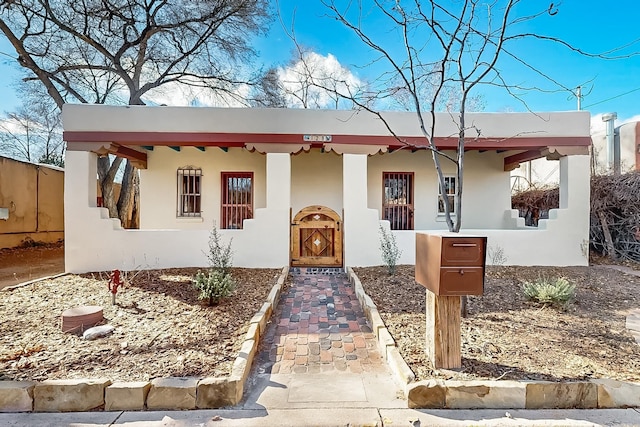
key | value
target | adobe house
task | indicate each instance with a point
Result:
(312, 187)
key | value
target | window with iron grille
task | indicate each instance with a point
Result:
(397, 199)
(237, 199)
(189, 192)
(449, 195)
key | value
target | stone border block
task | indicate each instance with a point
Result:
(16, 396)
(399, 367)
(262, 316)
(126, 396)
(385, 342)
(274, 295)
(548, 395)
(377, 324)
(172, 393)
(617, 394)
(69, 395)
(217, 393)
(242, 365)
(485, 395)
(429, 394)
(253, 333)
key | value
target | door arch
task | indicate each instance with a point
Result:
(316, 238)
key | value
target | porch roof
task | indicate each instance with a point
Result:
(129, 131)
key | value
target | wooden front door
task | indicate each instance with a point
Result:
(316, 238)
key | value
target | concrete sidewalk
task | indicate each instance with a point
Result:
(330, 417)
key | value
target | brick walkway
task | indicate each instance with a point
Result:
(319, 326)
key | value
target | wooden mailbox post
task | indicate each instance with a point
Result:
(449, 266)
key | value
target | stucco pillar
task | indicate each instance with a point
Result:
(272, 241)
(575, 189)
(80, 192)
(80, 171)
(575, 175)
(278, 180)
(361, 240)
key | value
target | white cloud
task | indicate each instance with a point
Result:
(174, 94)
(314, 81)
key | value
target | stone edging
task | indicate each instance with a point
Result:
(160, 393)
(441, 394)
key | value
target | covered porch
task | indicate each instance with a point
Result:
(304, 158)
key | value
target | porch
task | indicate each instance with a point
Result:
(298, 159)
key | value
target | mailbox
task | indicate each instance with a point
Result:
(451, 265)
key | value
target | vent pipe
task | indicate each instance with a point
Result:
(613, 148)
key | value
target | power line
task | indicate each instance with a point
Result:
(612, 98)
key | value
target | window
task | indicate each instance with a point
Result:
(189, 192)
(397, 199)
(237, 199)
(449, 194)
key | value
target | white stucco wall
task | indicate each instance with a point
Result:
(484, 178)
(135, 118)
(158, 184)
(316, 179)
(561, 240)
(93, 242)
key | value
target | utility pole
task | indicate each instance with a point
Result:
(579, 96)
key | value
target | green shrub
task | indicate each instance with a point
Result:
(214, 285)
(217, 283)
(390, 252)
(220, 256)
(552, 292)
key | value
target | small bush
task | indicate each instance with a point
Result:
(220, 256)
(214, 285)
(390, 252)
(553, 292)
(497, 256)
(217, 283)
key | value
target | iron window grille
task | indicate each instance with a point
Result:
(397, 199)
(237, 199)
(189, 192)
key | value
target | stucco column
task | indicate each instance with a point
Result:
(272, 234)
(80, 192)
(80, 171)
(575, 175)
(575, 190)
(361, 240)
(278, 181)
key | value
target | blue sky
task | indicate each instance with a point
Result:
(593, 26)
(590, 25)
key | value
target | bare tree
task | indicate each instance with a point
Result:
(435, 55)
(269, 92)
(121, 51)
(33, 131)
(308, 80)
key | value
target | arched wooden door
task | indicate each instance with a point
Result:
(316, 238)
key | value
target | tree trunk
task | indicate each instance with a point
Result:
(135, 210)
(125, 201)
(106, 175)
(611, 250)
